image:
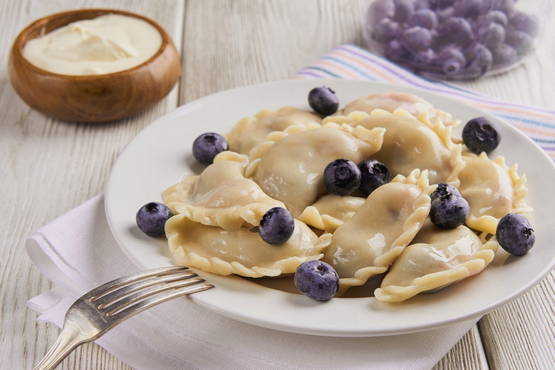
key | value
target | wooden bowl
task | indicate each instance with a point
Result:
(92, 98)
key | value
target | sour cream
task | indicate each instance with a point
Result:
(105, 44)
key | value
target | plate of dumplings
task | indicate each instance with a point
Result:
(337, 207)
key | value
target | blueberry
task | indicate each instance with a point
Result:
(396, 52)
(470, 8)
(317, 280)
(207, 146)
(323, 100)
(385, 30)
(373, 174)
(451, 59)
(492, 35)
(456, 30)
(480, 135)
(444, 14)
(471, 50)
(380, 9)
(520, 41)
(416, 39)
(506, 6)
(277, 226)
(424, 18)
(403, 10)
(443, 190)
(421, 4)
(449, 211)
(504, 55)
(525, 22)
(151, 218)
(441, 4)
(424, 58)
(342, 177)
(495, 16)
(451, 66)
(514, 234)
(479, 61)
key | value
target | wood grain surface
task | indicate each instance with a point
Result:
(49, 167)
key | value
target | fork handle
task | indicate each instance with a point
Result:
(68, 339)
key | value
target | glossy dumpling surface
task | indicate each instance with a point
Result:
(330, 211)
(436, 258)
(366, 244)
(289, 166)
(389, 102)
(411, 144)
(239, 251)
(251, 131)
(492, 190)
(394, 100)
(221, 195)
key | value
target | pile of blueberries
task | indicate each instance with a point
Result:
(451, 39)
(317, 279)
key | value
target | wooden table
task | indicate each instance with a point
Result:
(48, 166)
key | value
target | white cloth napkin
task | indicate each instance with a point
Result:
(77, 252)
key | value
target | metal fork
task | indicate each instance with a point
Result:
(104, 307)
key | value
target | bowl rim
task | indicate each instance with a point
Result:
(18, 44)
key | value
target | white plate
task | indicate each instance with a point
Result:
(161, 154)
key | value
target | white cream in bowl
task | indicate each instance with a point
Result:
(106, 44)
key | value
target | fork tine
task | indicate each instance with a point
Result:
(113, 294)
(85, 321)
(118, 283)
(141, 305)
(138, 289)
(122, 302)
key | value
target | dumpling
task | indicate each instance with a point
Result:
(330, 211)
(393, 100)
(240, 251)
(366, 244)
(221, 195)
(251, 131)
(410, 144)
(289, 166)
(492, 190)
(436, 259)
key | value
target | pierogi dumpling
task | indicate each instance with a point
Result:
(277, 158)
(392, 101)
(221, 195)
(435, 259)
(289, 165)
(251, 131)
(410, 144)
(492, 190)
(330, 211)
(367, 244)
(240, 251)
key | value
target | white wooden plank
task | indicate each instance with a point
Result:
(467, 354)
(521, 334)
(47, 168)
(237, 43)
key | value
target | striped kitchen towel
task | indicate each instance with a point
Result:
(352, 62)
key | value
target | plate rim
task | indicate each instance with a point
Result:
(197, 298)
